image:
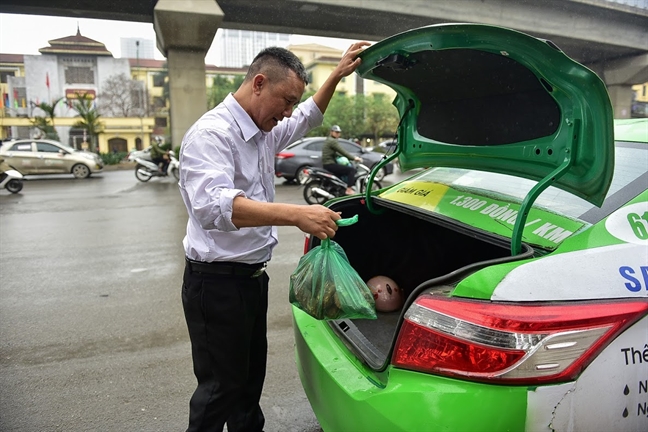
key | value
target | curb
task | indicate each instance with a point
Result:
(120, 166)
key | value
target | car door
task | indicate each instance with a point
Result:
(23, 157)
(369, 158)
(313, 152)
(353, 149)
(51, 158)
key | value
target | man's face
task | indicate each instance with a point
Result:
(276, 100)
(335, 134)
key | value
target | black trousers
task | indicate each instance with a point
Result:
(344, 172)
(226, 319)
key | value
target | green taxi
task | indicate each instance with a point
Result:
(521, 248)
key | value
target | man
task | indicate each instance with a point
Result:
(227, 184)
(331, 151)
(159, 156)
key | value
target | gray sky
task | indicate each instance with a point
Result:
(26, 34)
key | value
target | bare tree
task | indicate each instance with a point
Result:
(122, 96)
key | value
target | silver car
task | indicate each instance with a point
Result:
(307, 152)
(43, 156)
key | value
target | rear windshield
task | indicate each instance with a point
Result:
(631, 164)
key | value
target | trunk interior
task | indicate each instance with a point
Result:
(411, 248)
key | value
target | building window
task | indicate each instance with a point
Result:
(5, 74)
(159, 102)
(161, 121)
(20, 97)
(158, 80)
(79, 75)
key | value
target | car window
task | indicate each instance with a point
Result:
(47, 147)
(631, 162)
(316, 146)
(349, 147)
(21, 147)
(295, 144)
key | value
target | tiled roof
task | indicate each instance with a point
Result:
(76, 44)
(12, 58)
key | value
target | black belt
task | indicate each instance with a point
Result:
(227, 268)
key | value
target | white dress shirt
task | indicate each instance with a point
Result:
(225, 155)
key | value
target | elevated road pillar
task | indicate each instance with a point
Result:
(619, 76)
(185, 30)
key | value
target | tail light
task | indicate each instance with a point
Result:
(509, 343)
(285, 155)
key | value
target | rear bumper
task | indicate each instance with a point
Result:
(347, 396)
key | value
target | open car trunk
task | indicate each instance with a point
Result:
(431, 252)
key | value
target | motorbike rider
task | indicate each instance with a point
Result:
(331, 151)
(159, 156)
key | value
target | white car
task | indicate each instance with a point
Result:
(43, 156)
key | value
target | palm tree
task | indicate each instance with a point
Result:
(46, 124)
(89, 118)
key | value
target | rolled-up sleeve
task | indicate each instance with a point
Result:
(207, 179)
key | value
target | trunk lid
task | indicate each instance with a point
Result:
(492, 99)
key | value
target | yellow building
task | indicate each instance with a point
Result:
(76, 64)
(640, 102)
(67, 69)
(320, 61)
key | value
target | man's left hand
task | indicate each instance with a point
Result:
(350, 60)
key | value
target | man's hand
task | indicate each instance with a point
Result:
(350, 61)
(318, 220)
(348, 64)
(357, 159)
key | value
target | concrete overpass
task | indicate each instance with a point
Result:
(608, 36)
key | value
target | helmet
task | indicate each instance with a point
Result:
(336, 128)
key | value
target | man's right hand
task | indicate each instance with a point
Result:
(318, 220)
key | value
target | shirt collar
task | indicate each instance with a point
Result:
(241, 117)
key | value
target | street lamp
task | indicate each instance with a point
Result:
(139, 92)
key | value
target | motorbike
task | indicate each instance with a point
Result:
(321, 185)
(146, 168)
(10, 179)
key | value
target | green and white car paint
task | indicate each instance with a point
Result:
(523, 250)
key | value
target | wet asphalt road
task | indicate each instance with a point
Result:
(92, 334)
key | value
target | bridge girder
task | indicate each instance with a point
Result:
(589, 31)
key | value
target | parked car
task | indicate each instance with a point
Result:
(43, 156)
(522, 250)
(307, 152)
(388, 145)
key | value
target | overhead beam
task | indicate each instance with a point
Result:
(120, 10)
(587, 30)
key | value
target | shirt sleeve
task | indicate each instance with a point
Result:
(305, 117)
(208, 162)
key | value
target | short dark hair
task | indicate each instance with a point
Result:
(273, 62)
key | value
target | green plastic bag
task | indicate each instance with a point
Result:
(325, 286)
